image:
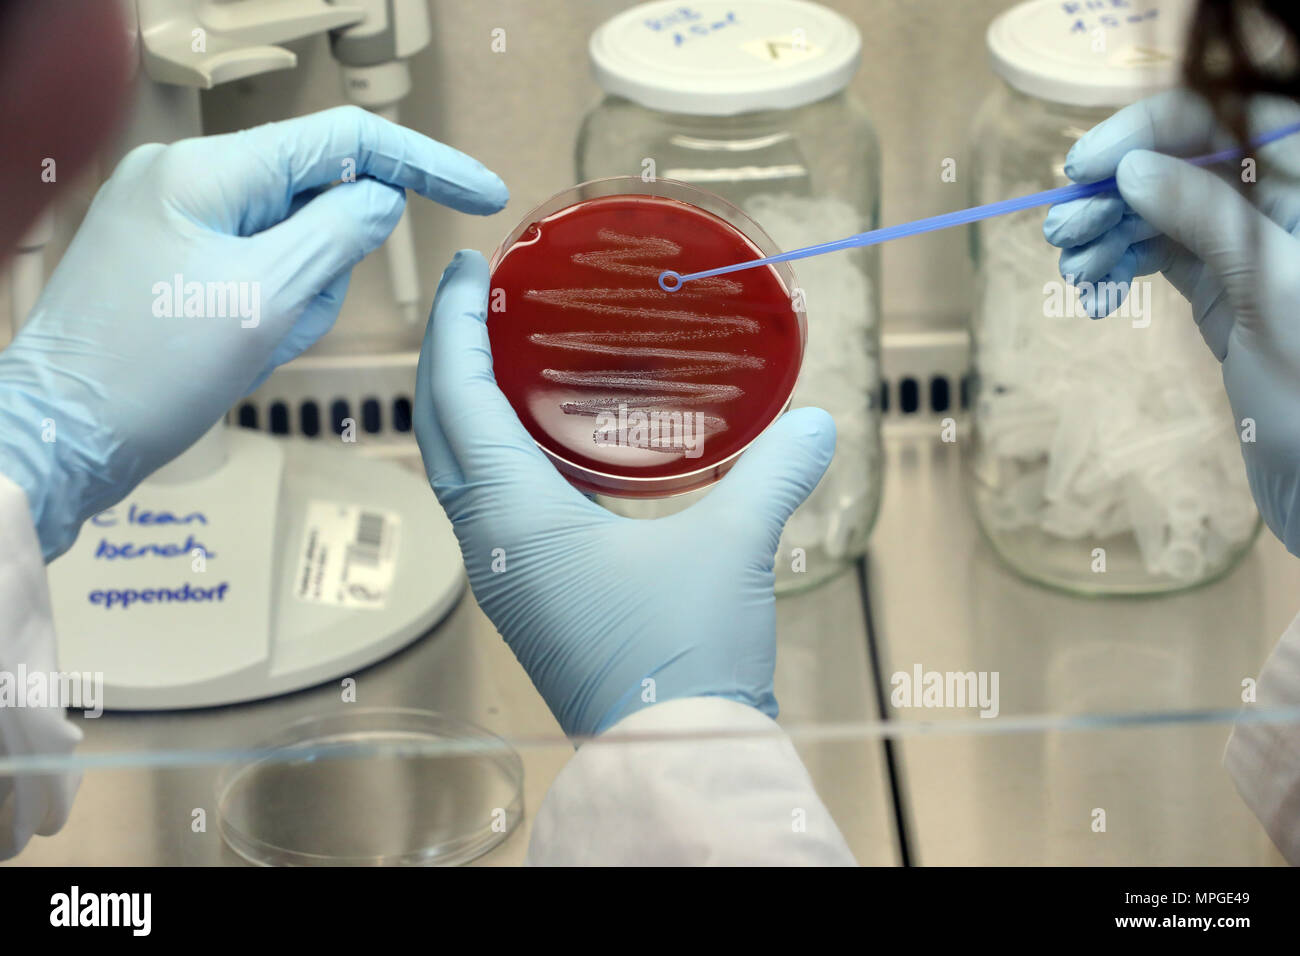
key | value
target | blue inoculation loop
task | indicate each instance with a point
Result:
(671, 281)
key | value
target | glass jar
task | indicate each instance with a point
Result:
(806, 173)
(1105, 457)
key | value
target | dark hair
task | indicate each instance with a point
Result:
(1224, 60)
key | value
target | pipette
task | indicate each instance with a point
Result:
(671, 281)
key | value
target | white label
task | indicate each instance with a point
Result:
(783, 50)
(347, 556)
(1133, 56)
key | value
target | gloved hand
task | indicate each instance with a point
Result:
(200, 267)
(592, 604)
(1233, 254)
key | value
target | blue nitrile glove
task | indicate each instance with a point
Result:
(1233, 254)
(606, 614)
(110, 379)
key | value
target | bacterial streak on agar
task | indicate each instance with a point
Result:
(601, 301)
(620, 260)
(713, 361)
(724, 354)
(641, 380)
(642, 247)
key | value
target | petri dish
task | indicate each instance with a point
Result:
(372, 787)
(630, 390)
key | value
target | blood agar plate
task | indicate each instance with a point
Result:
(633, 391)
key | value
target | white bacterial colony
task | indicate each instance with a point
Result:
(665, 388)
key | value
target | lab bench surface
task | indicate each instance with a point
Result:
(143, 816)
(938, 599)
(1116, 684)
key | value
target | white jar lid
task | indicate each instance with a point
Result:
(1091, 52)
(712, 58)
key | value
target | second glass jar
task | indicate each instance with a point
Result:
(1106, 459)
(805, 175)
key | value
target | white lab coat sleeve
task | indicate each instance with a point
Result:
(1264, 758)
(29, 803)
(687, 782)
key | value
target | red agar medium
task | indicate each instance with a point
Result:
(631, 390)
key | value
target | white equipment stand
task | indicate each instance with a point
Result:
(248, 614)
(252, 566)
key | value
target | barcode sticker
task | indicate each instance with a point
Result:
(370, 529)
(348, 555)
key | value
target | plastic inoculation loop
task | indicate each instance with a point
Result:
(671, 281)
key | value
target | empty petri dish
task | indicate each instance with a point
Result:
(631, 390)
(372, 787)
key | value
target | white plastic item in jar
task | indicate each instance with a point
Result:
(1108, 437)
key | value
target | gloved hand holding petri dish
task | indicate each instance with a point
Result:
(631, 390)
